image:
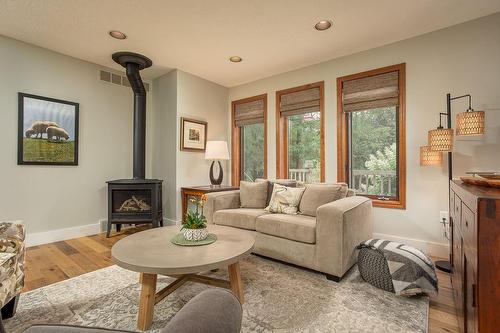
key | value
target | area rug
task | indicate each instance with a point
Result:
(278, 297)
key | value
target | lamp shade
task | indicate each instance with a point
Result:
(216, 150)
(430, 157)
(441, 139)
(470, 123)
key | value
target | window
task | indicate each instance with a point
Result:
(300, 139)
(252, 152)
(371, 134)
(249, 139)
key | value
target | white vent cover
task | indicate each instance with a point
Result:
(118, 79)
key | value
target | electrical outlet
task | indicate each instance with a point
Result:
(443, 216)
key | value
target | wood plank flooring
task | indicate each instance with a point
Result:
(50, 263)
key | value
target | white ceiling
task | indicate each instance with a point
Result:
(272, 36)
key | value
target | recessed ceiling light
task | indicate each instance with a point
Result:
(117, 34)
(323, 25)
(235, 59)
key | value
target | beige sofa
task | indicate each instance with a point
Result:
(324, 242)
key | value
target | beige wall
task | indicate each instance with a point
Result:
(165, 136)
(461, 59)
(180, 94)
(202, 100)
(55, 197)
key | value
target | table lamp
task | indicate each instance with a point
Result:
(216, 151)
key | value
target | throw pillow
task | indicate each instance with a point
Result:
(253, 195)
(316, 195)
(285, 200)
(270, 187)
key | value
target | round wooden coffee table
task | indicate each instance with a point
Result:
(151, 253)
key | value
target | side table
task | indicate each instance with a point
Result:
(198, 191)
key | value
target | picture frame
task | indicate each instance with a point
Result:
(193, 135)
(47, 131)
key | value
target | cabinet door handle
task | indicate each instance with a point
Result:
(473, 295)
(466, 223)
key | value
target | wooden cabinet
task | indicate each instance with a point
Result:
(199, 191)
(475, 256)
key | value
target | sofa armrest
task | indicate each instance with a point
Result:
(340, 226)
(220, 200)
(12, 236)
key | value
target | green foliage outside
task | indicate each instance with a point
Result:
(372, 131)
(374, 148)
(304, 143)
(253, 152)
(43, 150)
(385, 160)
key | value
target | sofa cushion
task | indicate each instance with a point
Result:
(317, 195)
(253, 195)
(299, 228)
(243, 218)
(285, 199)
(270, 186)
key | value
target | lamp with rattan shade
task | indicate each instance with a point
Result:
(430, 157)
(441, 139)
(470, 123)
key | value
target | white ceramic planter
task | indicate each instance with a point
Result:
(195, 234)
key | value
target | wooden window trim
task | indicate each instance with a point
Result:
(236, 139)
(282, 131)
(342, 146)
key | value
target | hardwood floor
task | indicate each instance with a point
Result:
(50, 263)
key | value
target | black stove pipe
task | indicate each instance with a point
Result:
(139, 120)
(134, 63)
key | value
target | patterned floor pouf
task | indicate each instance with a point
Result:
(396, 267)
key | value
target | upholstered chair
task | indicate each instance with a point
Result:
(213, 310)
(12, 236)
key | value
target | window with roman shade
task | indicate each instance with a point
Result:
(249, 113)
(371, 134)
(300, 127)
(300, 102)
(249, 139)
(371, 92)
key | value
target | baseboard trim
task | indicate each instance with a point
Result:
(440, 250)
(45, 237)
(167, 221)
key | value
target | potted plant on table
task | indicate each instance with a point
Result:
(195, 225)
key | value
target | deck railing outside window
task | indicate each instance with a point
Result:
(375, 182)
(301, 175)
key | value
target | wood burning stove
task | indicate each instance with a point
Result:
(136, 200)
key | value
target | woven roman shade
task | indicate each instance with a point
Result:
(371, 92)
(249, 113)
(300, 102)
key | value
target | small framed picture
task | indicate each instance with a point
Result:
(47, 131)
(193, 135)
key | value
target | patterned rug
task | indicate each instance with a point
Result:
(278, 297)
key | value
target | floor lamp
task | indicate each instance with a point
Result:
(440, 140)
